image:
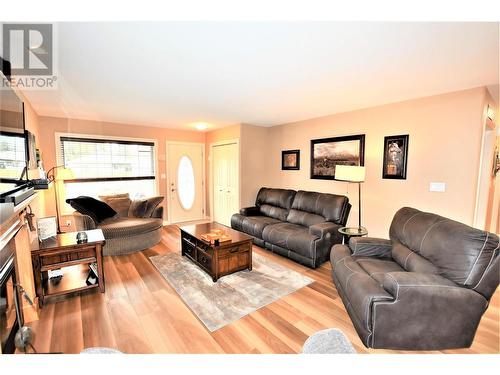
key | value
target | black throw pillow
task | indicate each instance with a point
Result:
(96, 209)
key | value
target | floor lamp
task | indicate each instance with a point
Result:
(56, 175)
(355, 174)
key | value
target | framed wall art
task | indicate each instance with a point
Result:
(326, 153)
(395, 157)
(290, 160)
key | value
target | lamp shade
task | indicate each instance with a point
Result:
(64, 174)
(350, 173)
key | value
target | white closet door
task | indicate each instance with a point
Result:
(225, 182)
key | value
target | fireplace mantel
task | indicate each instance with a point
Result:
(14, 231)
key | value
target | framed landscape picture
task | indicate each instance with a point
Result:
(395, 157)
(326, 153)
(290, 160)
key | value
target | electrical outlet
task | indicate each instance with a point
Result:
(439, 187)
(68, 223)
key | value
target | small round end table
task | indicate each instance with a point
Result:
(348, 232)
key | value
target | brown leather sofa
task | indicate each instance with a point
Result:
(424, 289)
(301, 225)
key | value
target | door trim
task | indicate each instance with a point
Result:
(203, 161)
(489, 129)
(211, 169)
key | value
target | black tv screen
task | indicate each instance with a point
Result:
(13, 150)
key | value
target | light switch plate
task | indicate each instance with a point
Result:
(439, 187)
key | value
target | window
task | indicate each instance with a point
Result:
(12, 155)
(103, 167)
(185, 182)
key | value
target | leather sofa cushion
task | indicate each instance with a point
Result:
(275, 197)
(329, 206)
(304, 218)
(411, 261)
(118, 227)
(359, 288)
(274, 212)
(377, 268)
(459, 252)
(254, 225)
(275, 203)
(291, 236)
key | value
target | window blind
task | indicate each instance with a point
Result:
(108, 160)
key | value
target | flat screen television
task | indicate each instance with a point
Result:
(14, 155)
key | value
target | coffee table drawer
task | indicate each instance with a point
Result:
(234, 249)
(204, 260)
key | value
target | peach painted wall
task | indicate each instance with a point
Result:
(444, 146)
(255, 157)
(50, 125)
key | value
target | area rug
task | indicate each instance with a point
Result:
(233, 296)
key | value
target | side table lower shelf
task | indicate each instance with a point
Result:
(73, 280)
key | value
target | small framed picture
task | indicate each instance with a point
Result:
(290, 160)
(47, 227)
(395, 157)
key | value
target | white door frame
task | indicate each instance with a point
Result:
(211, 168)
(168, 143)
(488, 133)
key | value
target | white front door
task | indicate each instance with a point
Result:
(185, 164)
(225, 184)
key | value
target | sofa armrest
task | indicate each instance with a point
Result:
(250, 211)
(158, 212)
(429, 312)
(325, 229)
(394, 281)
(418, 286)
(84, 222)
(338, 253)
(370, 247)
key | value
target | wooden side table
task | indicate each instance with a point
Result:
(66, 253)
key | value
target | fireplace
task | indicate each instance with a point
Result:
(9, 323)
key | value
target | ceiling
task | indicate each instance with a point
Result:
(263, 73)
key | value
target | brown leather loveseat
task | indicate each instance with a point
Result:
(425, 289)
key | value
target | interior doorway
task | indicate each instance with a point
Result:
(185, 181)
(225, 189)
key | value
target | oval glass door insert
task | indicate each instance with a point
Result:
(185, 183)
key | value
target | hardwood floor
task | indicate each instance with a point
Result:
(141, 313)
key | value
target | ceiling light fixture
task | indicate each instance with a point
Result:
(201, 126)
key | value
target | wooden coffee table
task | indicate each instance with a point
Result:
(217, 261)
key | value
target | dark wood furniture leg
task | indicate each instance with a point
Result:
(100, 269)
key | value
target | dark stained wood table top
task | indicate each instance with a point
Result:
(196, 230)
(63, 240)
